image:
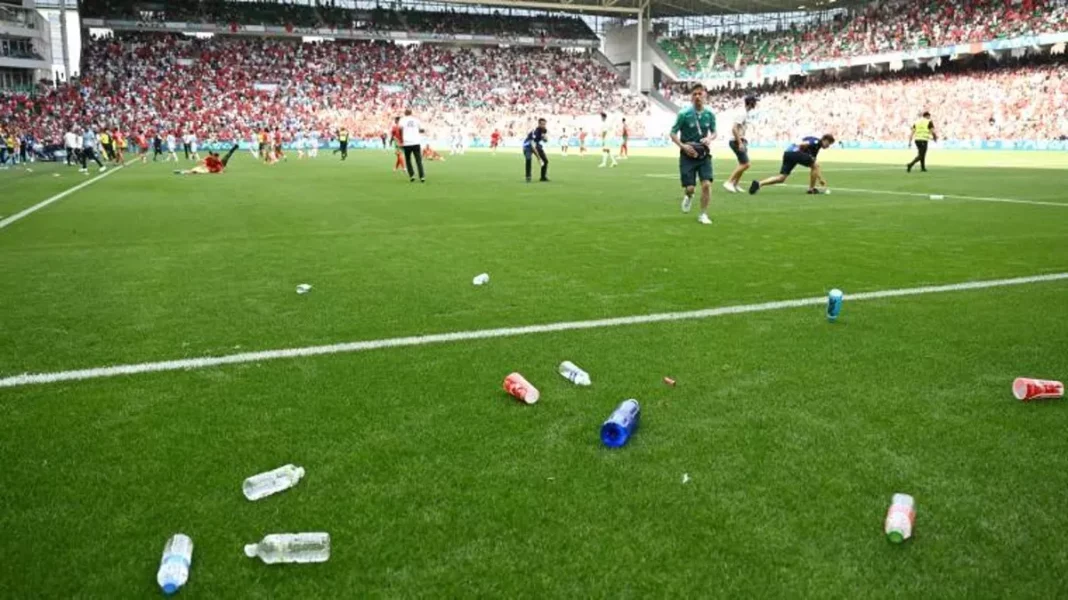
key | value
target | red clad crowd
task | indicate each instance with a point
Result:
(229, 87)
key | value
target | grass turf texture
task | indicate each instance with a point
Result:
(433, 483)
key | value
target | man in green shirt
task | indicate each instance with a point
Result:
(693, 132)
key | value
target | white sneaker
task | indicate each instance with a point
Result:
(704, 220)
(687, 202)
(730, 187)
(103, 168)
(601, 166)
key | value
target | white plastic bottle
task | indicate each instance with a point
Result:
(174, 566)
(272, 482)
(481, 279)
(291, 548)
(571, 372)
(900, 518)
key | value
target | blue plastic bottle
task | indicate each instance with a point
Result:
(621, 424)
(834, 304)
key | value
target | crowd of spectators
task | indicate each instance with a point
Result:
(886, 26)
(980, 99)
(231, 86)
(328, 15)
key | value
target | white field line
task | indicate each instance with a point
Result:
(36, 207)
(957, 196)
(481, 334)
(897, 193)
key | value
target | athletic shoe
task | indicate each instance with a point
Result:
(103, 168)
(704, 220)
(544, 180)
(687, 203)
(730, 187)
(754, 187)
(528, 180)
(908, 168)
(813, 191)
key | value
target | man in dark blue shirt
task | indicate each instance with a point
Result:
(532, 146)
(802, 153)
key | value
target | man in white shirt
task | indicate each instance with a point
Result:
(70, 144)
(412, 134)
(739, 145)
(171, 142)
(192, 141)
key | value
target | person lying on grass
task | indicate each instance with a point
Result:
(210, 165)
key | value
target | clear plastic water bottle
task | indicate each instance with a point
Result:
(621, 424)
(572, 373)
(834, 304)
(291, 548)
(900, 518)
(272, 482)
(174, 566)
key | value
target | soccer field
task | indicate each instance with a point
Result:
(793, 432)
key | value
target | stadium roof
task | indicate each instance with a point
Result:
(672, 8)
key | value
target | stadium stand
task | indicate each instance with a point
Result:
(229, 86)
(980, 99)
(451, 22)
(893, 25)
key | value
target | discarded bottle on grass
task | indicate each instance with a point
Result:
(174, 566)
(1026, 389)
(572, 373)
(272, 482)
(481, 279)
(518, 386)
(900, 518)
(291, 548)
(621, 424)
(834, 304)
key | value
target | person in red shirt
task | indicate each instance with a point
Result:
(142, 146)
(120, 146)
(396, 135)
(495, 140)
(210, 165)
(278, 154)
(431, 154)
(582, 141)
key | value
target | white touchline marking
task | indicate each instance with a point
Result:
(481, 334)
(36, 207)
(897, 193)
(928, 194)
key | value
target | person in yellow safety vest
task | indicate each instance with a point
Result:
(343, 143)
(922, 132)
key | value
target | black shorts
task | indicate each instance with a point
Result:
(692, 169)
(742, 155)
(263, 147)
(792, 158)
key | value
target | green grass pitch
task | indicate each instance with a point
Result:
(433, 483)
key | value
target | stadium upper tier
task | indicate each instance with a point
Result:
(270, 13)
(892, 25)
(229, 86)
(978, 99)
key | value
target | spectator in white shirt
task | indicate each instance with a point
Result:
(412, 134)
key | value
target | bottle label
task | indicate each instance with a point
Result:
(175, 558)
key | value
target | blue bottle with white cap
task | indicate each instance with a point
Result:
(834, 304)
(621, 424)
